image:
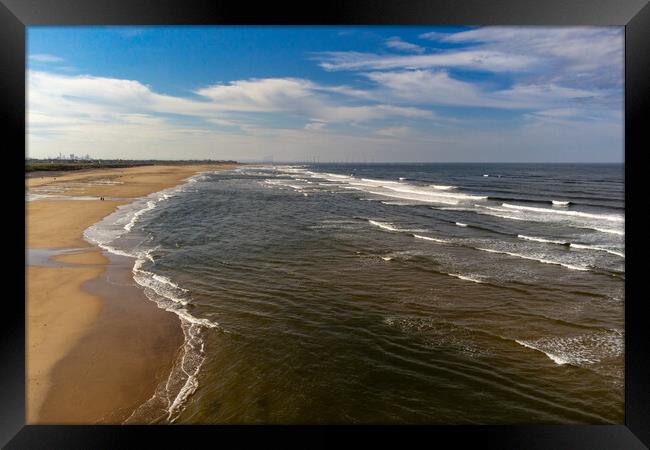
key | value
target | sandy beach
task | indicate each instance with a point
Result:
(96, 347)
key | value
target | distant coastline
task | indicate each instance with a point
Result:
(34, 166)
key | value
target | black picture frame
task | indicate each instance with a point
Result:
(15, 15)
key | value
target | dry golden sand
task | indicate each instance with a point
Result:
(86, 346)
(61, 223)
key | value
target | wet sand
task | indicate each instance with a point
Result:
(96, 347)
(117, 364)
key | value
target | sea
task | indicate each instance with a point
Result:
(386, 293)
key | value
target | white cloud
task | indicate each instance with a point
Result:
(576, 53)
(46, 58)
(397, 43)
(484, 60)
(582, 46)
(394, 132)
(439, 88)
(270, 94)
(315, 126)
(434, 35)
(108, 99)
(300, 97)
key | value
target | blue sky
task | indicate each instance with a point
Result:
(327, 93)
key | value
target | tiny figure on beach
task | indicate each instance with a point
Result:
(101, 198)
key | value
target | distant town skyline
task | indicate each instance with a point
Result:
(355, 94)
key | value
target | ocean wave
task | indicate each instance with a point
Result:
(599, 249)
(610, 231)
(494, 212)
(532, 258)
(571, 245)
(529, 200)
(399, 189)
(369, 180)
(608, 217)
(385, 226)
(416, 190)
(581, 351)
(398, 203)
(427, 238)
(414, 197)
(162, 286)
(150, 205)
(466, 277)
(538, 239)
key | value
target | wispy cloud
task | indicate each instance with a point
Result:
(580, 54)
(483, 60)
(130, 31)
(539, 68)
(439, 88)
(315, 126)
(45, 58)
(397, 43)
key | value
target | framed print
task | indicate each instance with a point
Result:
(411, 220)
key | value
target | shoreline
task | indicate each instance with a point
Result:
(93, 348)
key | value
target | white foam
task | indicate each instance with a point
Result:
(161, 285)
(553, 357)
(401, 190)
(600, 249)
(398, 203)
(427, 238)
(171, 394)
(334, 175)
(385, 226)
(280, 183)
(369, 180)
(538, 239)
(150, 205)
(422, 191)
(559, 203)
(532, 258)
(608, 217)
(610, 231)
(501, 216)
(572, 245)
(581, 350)
(465, 277)
(415, 198)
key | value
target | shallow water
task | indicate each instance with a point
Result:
(426, 293)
